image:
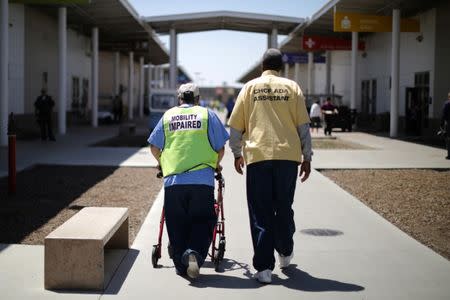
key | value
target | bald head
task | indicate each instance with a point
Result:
(272, 60)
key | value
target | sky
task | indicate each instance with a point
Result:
(213, 58)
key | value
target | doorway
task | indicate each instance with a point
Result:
(416, 104)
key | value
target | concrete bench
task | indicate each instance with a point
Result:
(74, 252)
(127, 129)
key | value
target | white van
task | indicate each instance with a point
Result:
(159, 102)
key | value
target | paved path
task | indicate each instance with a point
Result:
(343, 250)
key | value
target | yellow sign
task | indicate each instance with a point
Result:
(348, 22)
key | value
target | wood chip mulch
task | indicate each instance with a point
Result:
(49, 195)
(416, 201)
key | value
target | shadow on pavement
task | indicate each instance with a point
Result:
(302, 281)
(297, 280)
(121, 273)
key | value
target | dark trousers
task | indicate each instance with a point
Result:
(328, 124)
(447, 141)
(270, 194)
(45, 123)
(190, 220)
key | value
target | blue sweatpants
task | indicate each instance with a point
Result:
(270, 194)
(190, 220)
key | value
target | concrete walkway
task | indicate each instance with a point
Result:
(343, 250)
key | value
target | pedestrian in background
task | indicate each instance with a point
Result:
(315, 113)
(188, 143)
(329, 111)
(445, 123)
(270, 120)
(43, 110)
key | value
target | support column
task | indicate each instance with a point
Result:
(353, 68)
(116, 72)
(297, 72)
(130, 85)
(286, 70)
(162, 84)
(310, 72)
(395, 68)
(328, 72)
(4, 47)
(62, 69)
(150, 78)
(173, 59)
(274, 38)
(141, 87)
(94, 77)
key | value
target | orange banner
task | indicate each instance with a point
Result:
(348, 22)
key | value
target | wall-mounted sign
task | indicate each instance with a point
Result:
(348, 22)
(59, 2)
(301, 58)
(318, 43)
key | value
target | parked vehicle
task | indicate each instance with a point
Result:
(159, 101)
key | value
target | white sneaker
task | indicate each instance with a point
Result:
(285, 261)
(264, 276)
(193, 270)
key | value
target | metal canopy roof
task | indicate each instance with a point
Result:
(228, 20)
(321, 23)
(120, 27)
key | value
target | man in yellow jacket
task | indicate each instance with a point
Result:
(271, 123)
(188, 142)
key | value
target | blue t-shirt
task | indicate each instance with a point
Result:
(217, 135)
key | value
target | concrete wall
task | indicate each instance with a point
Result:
(340, 74)
(41, 55)
(16, 58)
(415, 57)
(442, 57)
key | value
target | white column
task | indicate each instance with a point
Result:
(274, 38)
(328, 72)
(4, 47)
(150, 78)
(297, 72)
(130, 85)
(353, 68)
(116, 72)
(310, 72)
(94, 77)
(395, 68)
(173, 59)
(141, 87)
(161, 77)
(62, 69)
(286, 70)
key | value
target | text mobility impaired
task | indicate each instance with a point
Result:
(185, 122)
(352, 22)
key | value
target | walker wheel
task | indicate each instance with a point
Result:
(156, 254)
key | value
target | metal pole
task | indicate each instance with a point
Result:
(310, 71)
(94, 77)
(141, 87)
(62, 69)
(297, 72)
(130, 86)
(11, 155)
(328, 72)
(286, 70)
(173, 59)
(353, 70)
(4, 47)
(395, 71)
(116, 73)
